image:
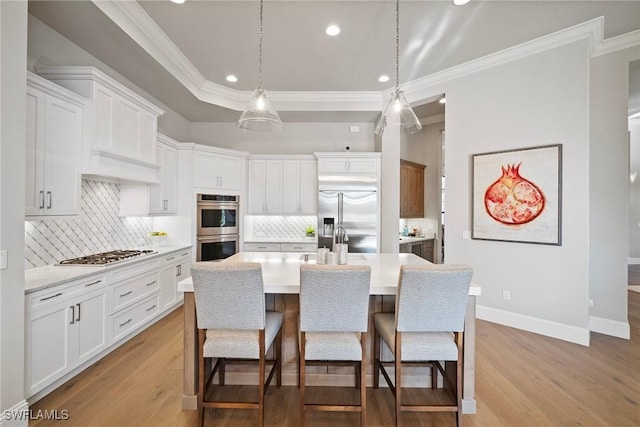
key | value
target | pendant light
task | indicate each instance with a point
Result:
(259, 115)
(398, 112)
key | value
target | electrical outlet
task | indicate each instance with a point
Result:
(506, 295)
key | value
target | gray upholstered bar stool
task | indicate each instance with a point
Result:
(426, 328)
(234, 326)
(334, 308)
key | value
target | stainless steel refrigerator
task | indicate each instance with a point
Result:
(358, 211)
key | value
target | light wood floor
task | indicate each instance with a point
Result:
(522, 380)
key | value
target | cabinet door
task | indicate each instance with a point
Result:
(63, 136)
(168, 293)
(163, 196)
(411, 189)
(90, 324)
(362, 165)
(231, 172)
(48, 355)
(104, 117)
(291, 186)
(333, 165)
(147, 137)
(273, 186)
(206, 170)
(34, 195)
(257, 171)
(127, 135)
(308, 187)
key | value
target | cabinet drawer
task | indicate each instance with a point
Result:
(133, 290)
(262, 247)
(134, 316)
(56, 294)
(298, 247)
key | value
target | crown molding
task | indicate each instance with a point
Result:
(135, 22)
(615, 44)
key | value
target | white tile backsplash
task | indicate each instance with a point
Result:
(284, 227)
(98, 228)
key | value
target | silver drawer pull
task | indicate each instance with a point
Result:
(126, 293)
(170, 258)
(186, 253)
(151, 308)
(297, 247)
(125, 323)
(151, 283)
(51, 297)
(262, 247)
(93, 283)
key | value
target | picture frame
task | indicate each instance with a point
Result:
(517, 195)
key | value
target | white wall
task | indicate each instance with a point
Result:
(48, 47)
(634, 190)
(295, 138)
(13, 64)
(538, 100)
(609, 191)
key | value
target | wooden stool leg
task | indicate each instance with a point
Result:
(301, 377)
(363, 383)
(261, 375)
(376, 358)
(398, 375)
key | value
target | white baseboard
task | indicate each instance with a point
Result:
(610, 327)
(633, 261)
(536, 325)
(16, 416)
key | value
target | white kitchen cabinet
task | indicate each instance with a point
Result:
(265, 187)
(120, 133)
(262, 247)
(65, 327)
(218, 171)
(175, 268)
(351, 163)
(280, 247)
(139, 199)
(126, 321)
(53, 147)
(299, 187)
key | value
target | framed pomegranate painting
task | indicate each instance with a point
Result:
(517, 195)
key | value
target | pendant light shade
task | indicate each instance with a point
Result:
(398, 112)
(259, 115)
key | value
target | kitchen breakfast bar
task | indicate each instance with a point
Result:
(281, 277)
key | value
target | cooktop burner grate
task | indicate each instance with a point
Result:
(105, 258)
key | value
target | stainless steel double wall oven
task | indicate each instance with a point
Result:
(218, 235)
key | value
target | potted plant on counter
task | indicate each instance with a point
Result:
(311, 231)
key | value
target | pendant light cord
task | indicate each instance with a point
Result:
(260, 50)
(397, 45)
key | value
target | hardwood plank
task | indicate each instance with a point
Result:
(522, 379)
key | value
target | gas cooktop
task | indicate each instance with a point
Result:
(104, 258)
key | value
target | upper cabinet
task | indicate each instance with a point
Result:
(352, 163)
(265, 186)
(218, 170)
(282, 184)
(299, 187)
(54, 137)
(138, 199)
(411, 189)
(120, 129)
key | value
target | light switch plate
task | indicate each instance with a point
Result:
(3, 259)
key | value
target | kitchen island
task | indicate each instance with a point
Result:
(281, 276)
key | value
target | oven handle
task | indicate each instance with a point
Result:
(219, 205)
(219, 238)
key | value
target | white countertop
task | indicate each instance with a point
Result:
(313, 240)
(281, 271)
(44, 277)
(409, 239)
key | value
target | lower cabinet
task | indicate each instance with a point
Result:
(72, 323)
(64, 329)
(174, 269)
(422, 248)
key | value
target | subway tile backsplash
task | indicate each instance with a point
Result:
(98, 228)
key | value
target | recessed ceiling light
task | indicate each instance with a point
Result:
(460, 2)
(231, 78)
(177, 1)
(383, 78)
(332, 30)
